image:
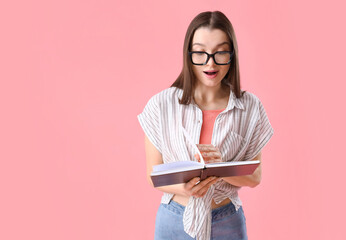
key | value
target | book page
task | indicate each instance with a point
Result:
(177, 167)
(224, 164)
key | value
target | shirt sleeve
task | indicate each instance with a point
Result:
(150, 121)
(261, 135)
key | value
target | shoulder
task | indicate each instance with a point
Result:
(250, 98)
(254, 106)
(250, 101)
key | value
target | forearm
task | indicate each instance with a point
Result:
(247, 180)
(242, 181)
(177, 189)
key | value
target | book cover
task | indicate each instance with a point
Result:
(184, 171)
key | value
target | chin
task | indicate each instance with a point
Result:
(210, 82)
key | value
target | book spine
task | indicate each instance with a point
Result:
(203, 174)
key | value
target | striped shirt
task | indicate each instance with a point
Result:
(240, 132)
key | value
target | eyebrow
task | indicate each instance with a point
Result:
(216, 45)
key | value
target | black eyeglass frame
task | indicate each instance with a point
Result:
(213, 56)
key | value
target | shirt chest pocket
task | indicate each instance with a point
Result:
(231, 146)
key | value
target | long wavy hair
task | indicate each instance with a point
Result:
(186, 79)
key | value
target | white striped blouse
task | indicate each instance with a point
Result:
(240, 132)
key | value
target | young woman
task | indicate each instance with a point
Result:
(227, 124)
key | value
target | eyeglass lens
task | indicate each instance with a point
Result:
(220, 57)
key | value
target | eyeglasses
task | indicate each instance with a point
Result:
(220, 57)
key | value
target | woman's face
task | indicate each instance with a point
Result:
(210, 41)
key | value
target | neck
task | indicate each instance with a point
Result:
(207, 95)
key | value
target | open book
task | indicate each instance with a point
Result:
(184, 171)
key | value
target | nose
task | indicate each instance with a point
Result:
(211, 61)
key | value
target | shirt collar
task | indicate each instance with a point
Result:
(233, 101)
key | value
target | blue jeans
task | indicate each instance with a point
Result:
(227, 223)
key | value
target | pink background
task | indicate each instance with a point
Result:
(75, 74)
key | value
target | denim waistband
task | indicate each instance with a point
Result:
(217, 213)
(223, 211)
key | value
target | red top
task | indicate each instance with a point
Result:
(208, 125)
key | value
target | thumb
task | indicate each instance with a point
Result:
(197, 157)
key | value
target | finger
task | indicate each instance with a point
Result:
(211, 154)
(209, 151)
(213, 160)
(204, 189)
(216, 159)
(206, 147)
(210, 158)
(201, 192)
(197, 157)
(200, 185)
(190, 184)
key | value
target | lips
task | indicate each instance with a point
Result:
(210, 72)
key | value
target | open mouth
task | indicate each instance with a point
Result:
(210, 73)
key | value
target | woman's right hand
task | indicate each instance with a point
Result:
(197, 188)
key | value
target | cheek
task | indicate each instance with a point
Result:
(196, 70)
(226, 68)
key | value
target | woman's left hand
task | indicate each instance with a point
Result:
(210, 153)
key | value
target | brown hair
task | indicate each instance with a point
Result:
(186, 79)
